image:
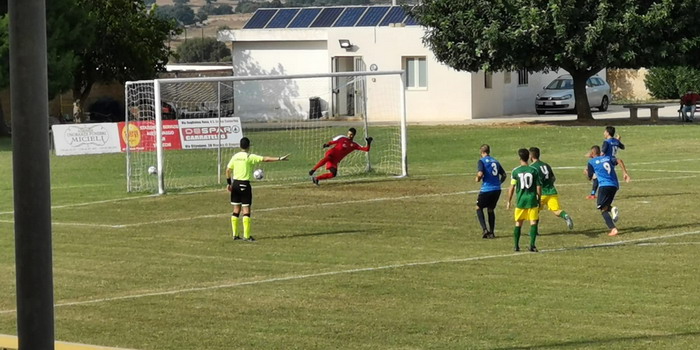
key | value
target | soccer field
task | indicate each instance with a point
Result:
(379, 263)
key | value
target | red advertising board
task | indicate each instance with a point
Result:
(142, 136)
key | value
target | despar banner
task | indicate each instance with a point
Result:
(210, 132)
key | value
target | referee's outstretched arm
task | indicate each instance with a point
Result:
(275, 159)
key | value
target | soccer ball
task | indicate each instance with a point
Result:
(259, 174)
(152, 170)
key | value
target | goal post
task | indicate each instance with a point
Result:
(188, 128)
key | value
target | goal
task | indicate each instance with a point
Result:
(188, 128)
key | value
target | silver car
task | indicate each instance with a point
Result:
(559, 95)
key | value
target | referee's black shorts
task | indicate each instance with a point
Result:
(606, 194)
(241, 193)
(488, 199)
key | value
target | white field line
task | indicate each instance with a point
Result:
(73, 205)
(315, 205)
(357, 270)
(667, 244)
(72, 224)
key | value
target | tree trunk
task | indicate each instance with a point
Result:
(583, 108)
(4, 128)
(81, 94)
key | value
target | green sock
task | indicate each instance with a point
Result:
(246, 227)
(516, 236)
(533, 235)
(563, 214)
(234, 225)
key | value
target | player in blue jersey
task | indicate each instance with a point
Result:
(611, 145)
(603, 167)
(492, 175)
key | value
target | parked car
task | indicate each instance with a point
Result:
(559, 95)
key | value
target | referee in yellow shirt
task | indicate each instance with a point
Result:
(241, 167)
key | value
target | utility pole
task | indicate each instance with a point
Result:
(31, 174)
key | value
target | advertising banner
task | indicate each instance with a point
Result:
(74, 139)
(142, 136)
(209, 133)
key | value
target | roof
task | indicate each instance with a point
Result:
(326, 17)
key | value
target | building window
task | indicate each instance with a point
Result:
(506, 77)
(523, 77)
(488, 80)
(416, 72)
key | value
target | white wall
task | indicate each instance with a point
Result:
(278, 99)
(450, 96)
(446, 97)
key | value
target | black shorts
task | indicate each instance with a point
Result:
(606, 194)
(488, 199)
(241, 193)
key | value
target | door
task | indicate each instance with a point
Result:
(348, 92)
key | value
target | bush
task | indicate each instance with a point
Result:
(202, 50)
(672, 82)
(106, 109)
(183, 14)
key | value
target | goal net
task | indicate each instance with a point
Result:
(182, 132)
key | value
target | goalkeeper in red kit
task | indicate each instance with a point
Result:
(342, 146)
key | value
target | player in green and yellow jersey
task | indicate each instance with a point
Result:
(526, 181)
(550, 196)
(241, 168)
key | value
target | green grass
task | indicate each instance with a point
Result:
(379, 263)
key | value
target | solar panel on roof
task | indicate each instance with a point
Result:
(350, 16)
(282, 18)
(410, 21)
(327, 17)
(372, 16)
(260, 19)
(395, 15)
(304, 18)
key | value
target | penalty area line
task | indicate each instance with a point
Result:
(316, 205)
(362, 269)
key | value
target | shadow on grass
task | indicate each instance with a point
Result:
(646, 195)
(312, 234)
(602, 343)
(603, 230)
(610, 121)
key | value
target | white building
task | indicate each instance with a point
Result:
(301, 41)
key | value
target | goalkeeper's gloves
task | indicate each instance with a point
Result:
(228, 180)
(369, 140)
(325, 145)
(284, 157)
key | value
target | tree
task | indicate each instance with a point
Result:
(4, 67)
(180, 13)
(202, 50)
(63, 36)
(129, 43)
(582, 36)
(180, 2)
(201, 15)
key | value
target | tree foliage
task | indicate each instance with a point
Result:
(672, 82)
(203, 50)
(582, 36)
(4, 52)
(63, 38)
(183, 14)
(128, 42)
